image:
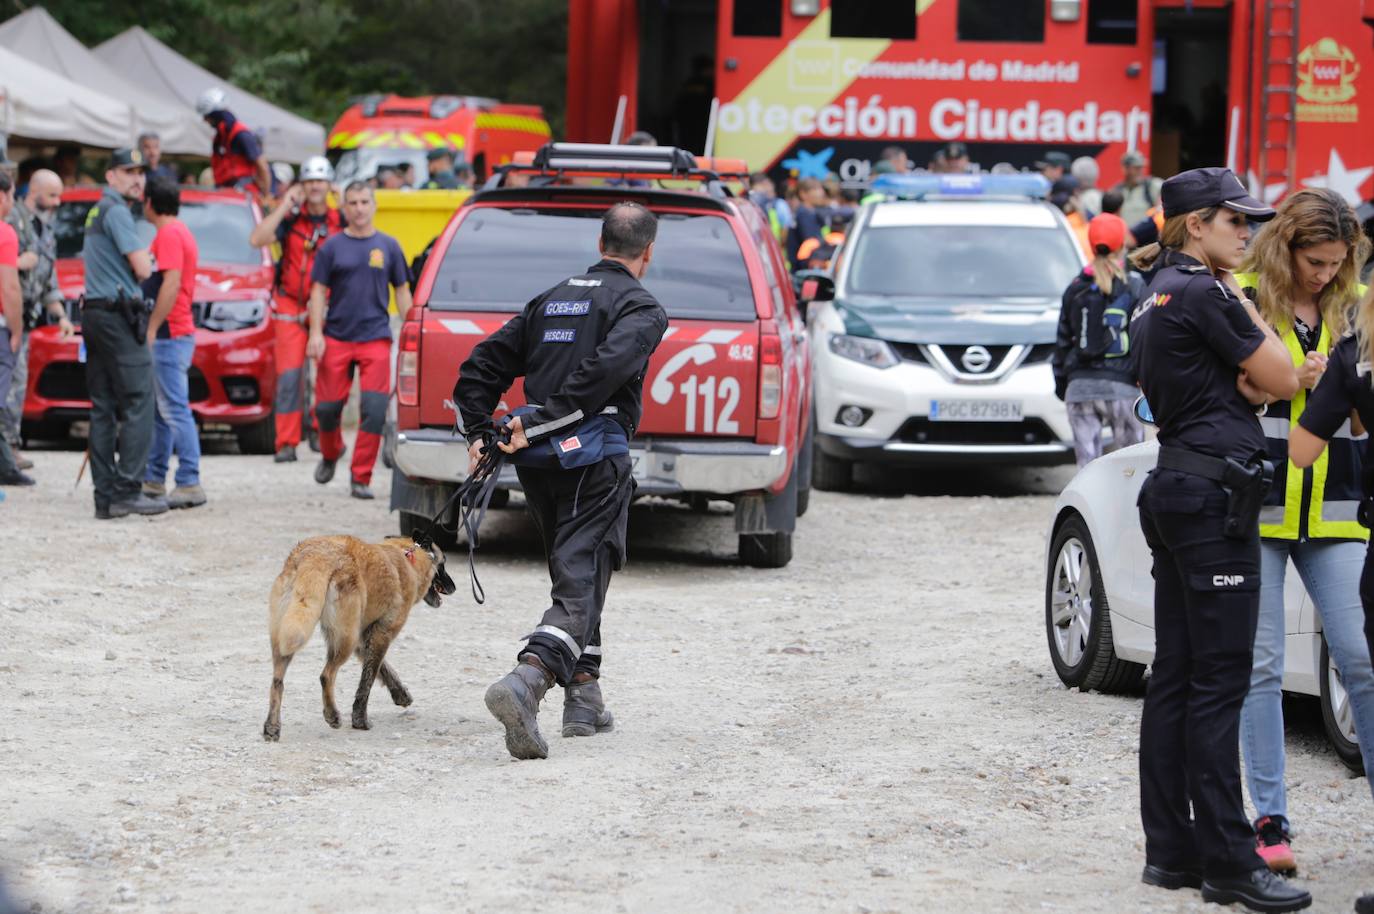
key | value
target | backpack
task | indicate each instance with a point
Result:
(1104, 324)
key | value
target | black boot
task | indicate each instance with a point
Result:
(1259, 890)
(1364, 904)
(584, 711)
(1159, 877)
(514, 701)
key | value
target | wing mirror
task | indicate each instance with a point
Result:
(813, 285)
(1142, 411)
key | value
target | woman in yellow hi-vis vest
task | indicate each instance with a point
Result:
(1303, 272)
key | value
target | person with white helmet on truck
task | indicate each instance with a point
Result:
(300, 223)
(236, 158)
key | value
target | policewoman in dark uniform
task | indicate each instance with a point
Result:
(1207, 362)
(583, 348)
(1347, 384)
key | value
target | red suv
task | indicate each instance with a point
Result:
(233, 376)
(727, 393)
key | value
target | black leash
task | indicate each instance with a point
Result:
(473, 498)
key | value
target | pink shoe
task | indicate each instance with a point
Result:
(1273, 844)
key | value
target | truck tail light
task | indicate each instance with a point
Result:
(770, 372)
(408, 365)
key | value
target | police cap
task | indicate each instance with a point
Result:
(125, 157)
(1200, 188)
(439, 152)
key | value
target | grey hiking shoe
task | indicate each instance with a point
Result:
(514, 701)
(138, 504)
(584, 711)
(186, 497)
(360, 490)
(155, 489)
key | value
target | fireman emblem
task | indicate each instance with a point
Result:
(1326, 83)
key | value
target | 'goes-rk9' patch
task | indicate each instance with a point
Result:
(566, 308)
(559, 336)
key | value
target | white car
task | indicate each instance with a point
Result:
(937, 345)
(1099, 597)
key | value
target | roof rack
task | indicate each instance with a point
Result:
(919, 187)
(554, 161)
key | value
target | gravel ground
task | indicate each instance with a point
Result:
(875, 728)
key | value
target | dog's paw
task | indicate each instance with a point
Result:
(401, 697)
(360, 722)
(331, 717)
(271, 733)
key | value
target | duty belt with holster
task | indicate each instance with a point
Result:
(135, 309)
(1245, 484)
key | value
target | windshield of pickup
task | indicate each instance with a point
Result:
(221, 230)
(500, 259)
(962, 261)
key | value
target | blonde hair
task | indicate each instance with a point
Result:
(1172, 237)
(1107, 271)
(1307, 218)
(1364, 329)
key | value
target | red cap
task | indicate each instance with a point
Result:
(1107, 229)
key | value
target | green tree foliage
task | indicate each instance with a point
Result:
(312, 57)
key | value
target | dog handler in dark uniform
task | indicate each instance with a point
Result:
(583, 348)
(1207, 361)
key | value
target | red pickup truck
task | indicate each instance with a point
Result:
(233, 376)
(727, 395)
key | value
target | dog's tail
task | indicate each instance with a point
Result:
(305, 603)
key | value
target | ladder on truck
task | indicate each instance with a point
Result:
(1279, 96)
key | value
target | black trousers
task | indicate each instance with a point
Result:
(1206, 608)
(1367, 596)
(119, 376)
(581, 516)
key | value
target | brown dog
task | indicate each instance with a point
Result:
(361, 594)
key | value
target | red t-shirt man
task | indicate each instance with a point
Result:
(175, 249)
(9, 257)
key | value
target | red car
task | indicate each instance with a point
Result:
(233, 376)
(727, 393)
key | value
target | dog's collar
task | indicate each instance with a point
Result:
(410, 555)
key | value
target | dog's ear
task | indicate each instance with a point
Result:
(424, 539)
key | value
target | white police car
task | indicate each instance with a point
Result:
(936, 347)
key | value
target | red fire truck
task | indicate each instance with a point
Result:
(807, 87)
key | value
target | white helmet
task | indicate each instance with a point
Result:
(210, 101)
(283, 173)
(317, 168)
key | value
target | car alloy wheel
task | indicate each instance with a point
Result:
(1071, 605)
(1077, 618)
(1338, 718)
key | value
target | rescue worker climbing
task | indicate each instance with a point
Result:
(236, 158)
(302, 221)
(582, 348)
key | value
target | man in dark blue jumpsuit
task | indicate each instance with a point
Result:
(583, 348)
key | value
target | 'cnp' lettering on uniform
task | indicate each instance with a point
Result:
(566, 308)
(1227, 580)
(559, 336)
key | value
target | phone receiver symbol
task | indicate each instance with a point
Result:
(697, 354)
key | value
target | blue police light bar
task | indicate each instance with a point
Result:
(914, 187)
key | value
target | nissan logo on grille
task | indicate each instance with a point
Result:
(976, 359)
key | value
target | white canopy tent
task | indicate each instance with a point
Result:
(39, 37)
(37, 104)
(162, 71)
